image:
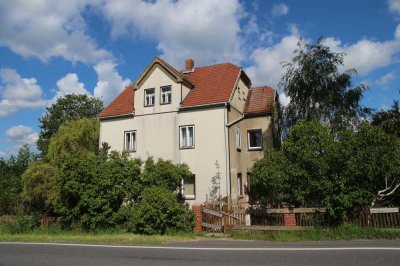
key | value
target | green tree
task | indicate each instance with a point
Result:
(40, 191)
(73, 137)
(93, 188)
(159, 212)
(389, 120)
(317, 89)
(67, 108)
(10, 180)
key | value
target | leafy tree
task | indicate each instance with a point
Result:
(40, 190)
(389, 120)
(67, 108)
(10, 180)
(93, 188)
(73, 137)
(159, 212)
(317, 89)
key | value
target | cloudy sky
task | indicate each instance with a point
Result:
(52, 48)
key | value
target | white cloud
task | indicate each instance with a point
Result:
(18, 93)
(385, 79)
(267, 68)
(283, 99)
(17, 132)
(69, 84)
(207, 31)
(394, 6)
(366, 55)
(109, 83)
(2, 154)
(279, 10)
(46, 29)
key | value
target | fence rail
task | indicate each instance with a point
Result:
(224, 217)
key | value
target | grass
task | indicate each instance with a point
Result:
(344, 232)
(116, 238)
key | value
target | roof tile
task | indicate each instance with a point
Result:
(121, 105)
(260, 100)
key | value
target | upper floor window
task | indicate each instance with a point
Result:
(186, 137)
(149, 97)
(166, 94)
(130, 141)
(255, 139)
(238, 138)
(238, 90)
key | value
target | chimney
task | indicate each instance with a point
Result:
(189, 64)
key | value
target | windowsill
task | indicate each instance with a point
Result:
(130, 151)
(165, 103)
(256, 149)
(186, 148)
(149, 105)
(189, 197)
(238, 149)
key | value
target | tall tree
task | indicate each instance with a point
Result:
(66, 108)
(317, 89)
(389, 120)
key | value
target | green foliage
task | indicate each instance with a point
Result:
(10, 180)
(73, 137)
(317, 90)
(18, 224)
(93, 188)
(315, 169)
(67, 108)
(40, 190)
(159, 212)
(389, 120)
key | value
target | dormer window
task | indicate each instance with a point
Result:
(149, 97)
(166, 95)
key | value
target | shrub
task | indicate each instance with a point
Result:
(160, 213)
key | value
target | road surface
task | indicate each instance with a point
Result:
(206, 252)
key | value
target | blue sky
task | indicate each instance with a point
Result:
(50, 48)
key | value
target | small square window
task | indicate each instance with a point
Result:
(130, 141)
(238, 138)
(186, 137)
(255, 139)
(166, 95)
(149, 97)
(189, 187)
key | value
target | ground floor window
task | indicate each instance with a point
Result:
(240, 184)
(189, 187)
(186, 137)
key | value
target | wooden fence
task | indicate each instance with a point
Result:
(224, 217)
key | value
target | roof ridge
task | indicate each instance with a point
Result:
(223, 63)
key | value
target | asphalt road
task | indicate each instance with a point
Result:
(206, 252)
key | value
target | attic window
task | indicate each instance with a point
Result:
(149, 97)
(238, 93)
(166, 94)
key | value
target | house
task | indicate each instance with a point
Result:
(199, 116)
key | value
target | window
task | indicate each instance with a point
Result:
(238, 93)
(240, 184)
(166, 94)
(189, 187)
(149, 97)
(238, 138)
(130, 141)
(187, 137)
(255, 139)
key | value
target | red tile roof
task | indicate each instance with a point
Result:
(212, 84)
(260, 100)
(122, 105)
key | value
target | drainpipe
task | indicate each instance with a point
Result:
(228, 172)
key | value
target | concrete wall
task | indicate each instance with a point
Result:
(242, 160)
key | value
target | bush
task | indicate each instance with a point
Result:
(160, 213)
(18, 224)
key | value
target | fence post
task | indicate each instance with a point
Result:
(289, 219)
(198, 217)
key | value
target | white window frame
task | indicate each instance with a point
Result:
(149, 98)
(238, 138)
(132, 146)
(186, 145)
(167, 94)
(248, 139)
(189, 196)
